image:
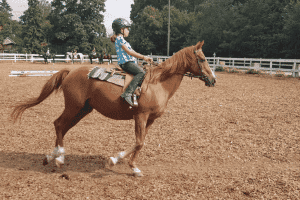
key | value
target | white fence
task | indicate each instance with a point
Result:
(36, 57)
(271, 66)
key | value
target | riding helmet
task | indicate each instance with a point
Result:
(118, 24)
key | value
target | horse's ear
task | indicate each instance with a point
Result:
(199, 44)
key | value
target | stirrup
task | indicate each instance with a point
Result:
(131, 100)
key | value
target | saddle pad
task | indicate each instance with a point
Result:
(103, 74)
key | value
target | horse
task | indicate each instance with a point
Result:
(82, 95)
(46, 56)
(94, 56)
(107, 56)
(75, 55)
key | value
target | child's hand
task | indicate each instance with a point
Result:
(148, 59)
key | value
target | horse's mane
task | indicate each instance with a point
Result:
(172, 65)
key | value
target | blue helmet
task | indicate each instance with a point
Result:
(118, 24)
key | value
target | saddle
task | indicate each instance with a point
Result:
(116, 75)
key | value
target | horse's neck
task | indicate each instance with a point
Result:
(171, 84)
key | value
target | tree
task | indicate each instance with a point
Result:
(5, 20)
(291, 29)
(77, 24)
(150, 29)
(250, 28)
(32, 32)
(146, 31)
(9, 28)
(180, 26)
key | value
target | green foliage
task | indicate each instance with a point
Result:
(230, 28)
(233, 70)
(150, 28)
(291, 29)
(5, 20)
(252, 71)
(146, 30)
(77, 25)
(219, 69)
(32, 31)
(242, 28)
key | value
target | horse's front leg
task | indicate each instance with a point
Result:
(58, 154)
(142, 125)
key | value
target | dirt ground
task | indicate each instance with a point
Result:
(238, 140)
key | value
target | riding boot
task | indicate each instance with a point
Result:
(128, 93)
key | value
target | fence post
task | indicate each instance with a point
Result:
(15, 56)
(214, 67)
(256, 66)
(271, 67)
(296, 67)
(31, 57)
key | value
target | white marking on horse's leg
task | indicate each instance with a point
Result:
(112, 161)
(115, 160)
(61, 156)
(137, 172)
(52, 155)
(121, 155)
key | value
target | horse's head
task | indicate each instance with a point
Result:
(200, 67)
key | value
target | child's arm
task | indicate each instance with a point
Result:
(135, 54)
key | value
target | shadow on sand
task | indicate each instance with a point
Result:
(75, 163)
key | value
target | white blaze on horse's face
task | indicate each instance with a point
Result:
(203, 67)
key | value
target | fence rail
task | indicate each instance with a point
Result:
(271, 66)
(36, 57)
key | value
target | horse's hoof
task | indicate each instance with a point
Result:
(138, 174)
(59, 163)
(45, 161)
(112, 161)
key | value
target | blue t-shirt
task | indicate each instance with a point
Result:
(122, 56)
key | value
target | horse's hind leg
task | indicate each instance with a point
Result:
(69, 118)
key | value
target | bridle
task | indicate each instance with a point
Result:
(199, 62)
(202, 76)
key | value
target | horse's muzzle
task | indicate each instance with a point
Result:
(210, 82)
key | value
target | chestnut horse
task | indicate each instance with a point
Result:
(82, 95)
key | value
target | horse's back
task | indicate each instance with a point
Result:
(103, 96)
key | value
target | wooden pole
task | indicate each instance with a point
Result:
(169, 31)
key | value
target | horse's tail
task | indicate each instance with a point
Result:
(51, 85)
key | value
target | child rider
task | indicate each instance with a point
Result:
(127, 57)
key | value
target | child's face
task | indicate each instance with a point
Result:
(125, 31)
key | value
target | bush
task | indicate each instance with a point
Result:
(252, 71)
(219, 69)
(280, 74)
(234, 70)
